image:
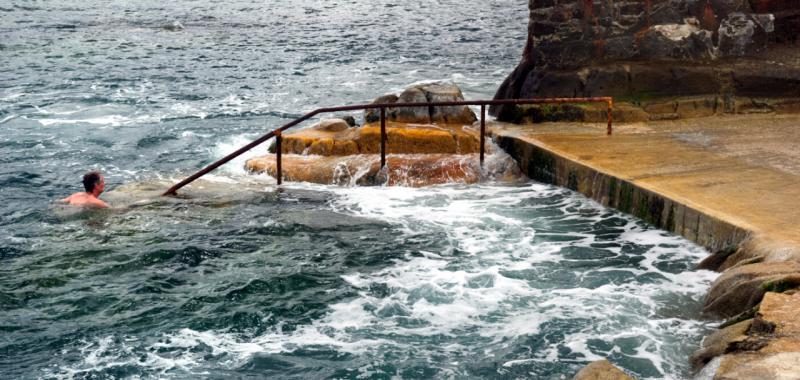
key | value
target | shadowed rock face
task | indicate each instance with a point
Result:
(658, 48)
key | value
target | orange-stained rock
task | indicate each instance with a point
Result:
(782, 310)
(403, 170)
(771, 347)
(756, 366)
(334, 138)
(601, 370)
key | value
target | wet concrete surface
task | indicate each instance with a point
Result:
(742, 169)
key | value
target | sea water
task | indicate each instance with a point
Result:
(241, 279)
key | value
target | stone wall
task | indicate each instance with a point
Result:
(646, 49)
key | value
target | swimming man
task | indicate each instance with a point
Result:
(94, 183)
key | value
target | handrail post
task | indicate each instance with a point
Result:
(278, 150)
(383, 137)
(483, 131)
(610, 111)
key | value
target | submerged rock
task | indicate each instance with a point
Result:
(601, 370)
(174, 26)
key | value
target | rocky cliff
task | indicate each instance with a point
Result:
(743, 54)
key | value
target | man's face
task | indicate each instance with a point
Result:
(101, 185)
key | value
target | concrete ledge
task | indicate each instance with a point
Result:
(542, 164)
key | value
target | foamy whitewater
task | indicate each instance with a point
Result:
(481, 281)
(242, 279)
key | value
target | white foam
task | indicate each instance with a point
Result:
(236, 166)
(469, 290)
(109, 120)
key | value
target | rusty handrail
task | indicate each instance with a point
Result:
(277, 133)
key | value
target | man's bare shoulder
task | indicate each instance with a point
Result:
(84, 200)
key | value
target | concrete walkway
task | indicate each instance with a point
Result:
(743, 171)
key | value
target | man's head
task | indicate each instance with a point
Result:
(94, 182)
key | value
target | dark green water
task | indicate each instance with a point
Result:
(242, 281)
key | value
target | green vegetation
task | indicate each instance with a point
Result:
(782, 285)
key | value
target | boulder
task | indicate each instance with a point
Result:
(335, 138)
(757, 366)
(601, 370)
(719, 343)
(332, 125)
(403, 170)
(771, 348)
(741, 288)
(741, 35)
(424, 93)
(676, 41)
(412, 114)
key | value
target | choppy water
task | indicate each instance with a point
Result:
(240, 280)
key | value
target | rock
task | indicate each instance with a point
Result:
(424, 93)
(412, 114)
(781, 366)
(676, 41)
(740, 35)
(332, 125)
(601, 370)
(351, 121)
(758, 249)
(771, 349)
(442, 92)
(174, 26)
(335, 137)
(403, 170)
(374, 115)
(740, 288)
(718, 343)
(653, 49)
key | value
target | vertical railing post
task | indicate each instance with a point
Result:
(610, 111)
(383, 137)
(483, 131)
(279, 151)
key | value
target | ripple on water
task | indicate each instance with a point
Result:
(498, 304)
(311, 282)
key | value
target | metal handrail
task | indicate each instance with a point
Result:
(277, 133)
